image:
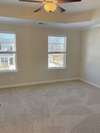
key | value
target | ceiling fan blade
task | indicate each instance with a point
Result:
(37, 10)
(68, 1)
(73, 0)
(61, 9)
(34, 1)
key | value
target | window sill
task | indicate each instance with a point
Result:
(57, 68)
(8, 71)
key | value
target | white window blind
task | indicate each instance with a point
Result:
(7, 52)
(56, 52)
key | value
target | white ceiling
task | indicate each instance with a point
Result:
(77, 25)
(80, 20)
(70, 7)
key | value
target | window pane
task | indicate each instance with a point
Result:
(56, 60)
(7, 62)
(56, 44)
(7, 42)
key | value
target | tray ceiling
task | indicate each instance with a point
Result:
(70, 7)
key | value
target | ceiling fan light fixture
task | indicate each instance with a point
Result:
(50, 7)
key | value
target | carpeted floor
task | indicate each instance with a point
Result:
(68, 107)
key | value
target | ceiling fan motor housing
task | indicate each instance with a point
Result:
(50, 5)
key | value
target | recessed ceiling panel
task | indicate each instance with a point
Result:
(70, 7)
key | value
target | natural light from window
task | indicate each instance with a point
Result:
(56, 52)
(7, 52)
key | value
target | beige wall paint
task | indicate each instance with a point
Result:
(90, 62)
(32, 55)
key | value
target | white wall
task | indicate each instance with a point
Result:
(32, 55)
(90, 62)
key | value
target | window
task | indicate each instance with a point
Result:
(7, 52)
(56, 52)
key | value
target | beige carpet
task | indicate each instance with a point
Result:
(72, 107)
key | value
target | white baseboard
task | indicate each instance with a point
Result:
(90, 83)
(38, 83)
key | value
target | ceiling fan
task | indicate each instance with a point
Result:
(50, 5)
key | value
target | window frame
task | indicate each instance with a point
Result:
(13, 52)
(65, 53)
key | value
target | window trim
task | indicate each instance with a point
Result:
(66, 53)
(14, 52)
